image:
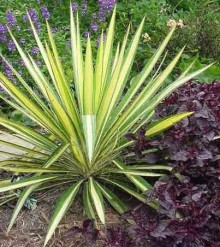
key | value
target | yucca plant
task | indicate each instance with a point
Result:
(85, 123)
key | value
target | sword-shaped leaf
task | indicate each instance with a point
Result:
(97, 198)
(62, 206)
(116, 203)
(26, 182)
(28, 191)
(161, 125)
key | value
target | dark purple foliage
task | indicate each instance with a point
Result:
(117, 237)
(188, 214)
(191, 145)
(191, 148)
(88, 231)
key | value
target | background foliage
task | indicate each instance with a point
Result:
(198, 29)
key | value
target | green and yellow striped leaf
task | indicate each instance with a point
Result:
(61, 208)
(161, 125)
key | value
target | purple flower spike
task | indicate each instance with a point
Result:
(99, 39)
(22, 41)
(86, 34)
(3, 29)
(22, 63)
(3, 38)
(39, 64)
(84, 7)
(45, 12)
(53, 29)
(105, 7)
(11, 46)
(94, 26)
(68, 42)
(25, 18)
(33, 15)
(35, 50)
(8, 71)
(74, 6)
(1, 90)
(38, 26)
(11, 20)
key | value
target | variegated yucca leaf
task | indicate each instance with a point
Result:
(85, 123)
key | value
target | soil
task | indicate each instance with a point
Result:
(31, 225)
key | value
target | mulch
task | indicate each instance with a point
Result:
(31, 225)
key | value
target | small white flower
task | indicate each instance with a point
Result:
(162, 10)
(171, 23)
(180, 23)
(146, 37)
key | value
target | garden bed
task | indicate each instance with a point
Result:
(31, 226)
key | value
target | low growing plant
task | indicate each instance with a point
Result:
(192, 146)
(84, 124)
